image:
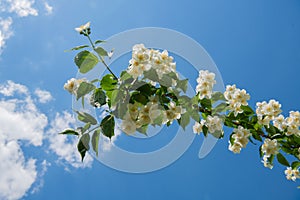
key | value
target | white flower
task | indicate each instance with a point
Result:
(266, 162)
(72, 85)
(292, 174)
(280, 122)
(270, 147)
(236, 98)
(128, 125)
(293, 123)
(197, 128)
(240, 139)
(83, 27)
(174, 112)
(214, 124)
(206, 81)
(267, 111)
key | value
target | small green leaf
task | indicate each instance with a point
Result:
(217, 96)
(83, 145)
(108, 82)
(100, 51)
(151, 75)
(83, 89)
(85, 117)
(295, 165)
(98, 97)
(184, 120)
(206, 103)
(86, 127)
(114, 97)
(182, 84)
(95, 140)
(282, 160)
(77, 48)
(85, 61)
(108, 126)
(99, 41)
(205, 130)
(220, 108)
(69, 132)
(247, 110)
(138, 97)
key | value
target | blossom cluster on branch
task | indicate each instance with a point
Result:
(151, 93)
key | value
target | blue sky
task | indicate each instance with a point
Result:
(255, 44)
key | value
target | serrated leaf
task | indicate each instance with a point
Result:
(100, 51)
(95, 140)
(83, 89)
(108, 82)
(85, 61)
(77, 48)
(282, 160)
(69, 132)
(108, 126)
(85, 117)
(83, 145)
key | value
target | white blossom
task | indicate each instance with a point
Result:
(292, 174)
(240, 139)
(270, 147)
(197, 128)
(236, 98)
(214, 124)
(266, 162)
(128, 125)
(73, 84)
(206, 81)
(267, 111)
(83, 27)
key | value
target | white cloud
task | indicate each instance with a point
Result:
(43, 95)
(17, 174)
(20, 121)
(48, 8)
(65, 147)
(10, 88)
(22, 8)
(5, 31)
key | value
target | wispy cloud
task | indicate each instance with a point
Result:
(5, 31)
(48, 8)
(43, 95)
(22, 8)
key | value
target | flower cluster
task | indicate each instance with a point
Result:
(292, 174)
(240, 139)
(139, 115)
(236, 98)
(269, 148)
(213, 123)
(84, 29)
(144, 59)
(267, 111)
(73, 84)
(206, 81)
(291, 124)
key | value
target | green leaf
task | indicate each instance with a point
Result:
(143, 129)
(182, 84)
(100, 51)
(138, 97)
(69, 132)
(98, 97)
(282, 160)
(99, 41)
(115, 97)
(217, 96)
(151, 75)
(295, 165)
(206, 103)
(184, 120)
(83, 89)
(108, 126)
(77, 48)
(205, 130)
(108, 82)
(85, 117)
(261, 154)
(220, 108)
(85, 61)
(86, 127)
(247, 110)
(83, 145)
(95, 140)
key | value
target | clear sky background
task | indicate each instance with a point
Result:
(255, 44)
